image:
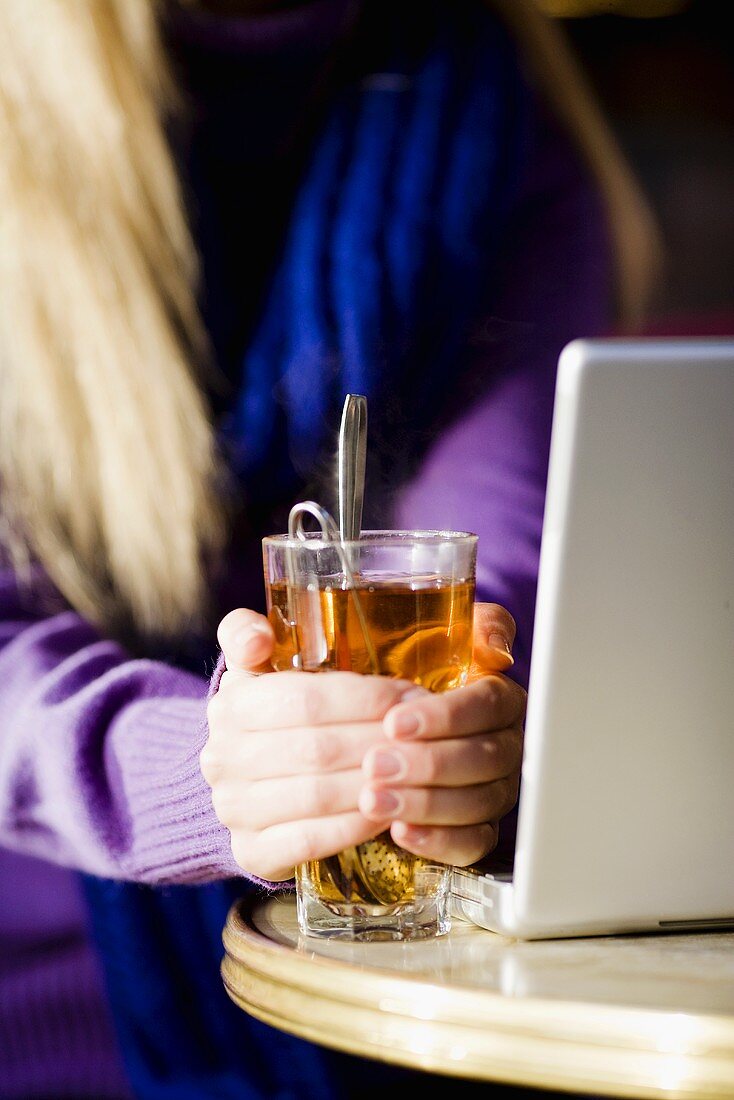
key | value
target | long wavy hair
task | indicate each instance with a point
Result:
(108, 467)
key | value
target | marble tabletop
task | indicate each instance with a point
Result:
(635, 1015)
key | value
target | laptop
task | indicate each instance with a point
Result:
(626, 811)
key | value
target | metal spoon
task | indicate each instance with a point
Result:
(351, 466)
(352, 461)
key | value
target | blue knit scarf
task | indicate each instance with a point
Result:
(391, 242)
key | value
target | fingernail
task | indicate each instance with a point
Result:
(380, 765)
(414, 836)
(404, 723)
(382, 802)
(416, 692)
(500, 643)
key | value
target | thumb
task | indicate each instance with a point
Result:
(246, 640)
(494, 634)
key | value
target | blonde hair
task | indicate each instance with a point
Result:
(108, 470)
(107, 466)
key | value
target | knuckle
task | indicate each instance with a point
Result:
(420, 805)
(488, 835)
(492, 797)
(227, 806)
(307, 846)
(479, 804)
(370, 696)
(493, 756)
(504, 797)
(210, 764)
(244, 854)
(389, 693)
(520, 699)
(216, 709)
(442, 712)
(513, 792)
(489, 690)
(516, 750)
(311, 702)
(253, 857)
(438, 713)
(318, 749)
(316, 796)
(430, 765)
(505, 750)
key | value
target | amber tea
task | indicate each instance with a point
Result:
(419, 629)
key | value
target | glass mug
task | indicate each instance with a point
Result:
(391, 603)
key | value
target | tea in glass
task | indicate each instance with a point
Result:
(396, 604)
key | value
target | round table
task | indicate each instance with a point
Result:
(640, 1016)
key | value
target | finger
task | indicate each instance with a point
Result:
(447, 763)
(273, 853)
(299, 699)
(277, 801)
(459, 846)
(246, 640)
(494, 635)
(272, 754)
(491, 703)
(440, 805)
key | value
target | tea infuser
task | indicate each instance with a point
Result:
(329, 534)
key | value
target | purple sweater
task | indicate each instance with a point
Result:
(99, 753)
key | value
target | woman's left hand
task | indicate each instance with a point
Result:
(449, 768)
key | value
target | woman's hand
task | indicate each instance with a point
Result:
(285, 752)
(296, 761)
(449, 767)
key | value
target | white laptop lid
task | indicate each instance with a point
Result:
(627, 807)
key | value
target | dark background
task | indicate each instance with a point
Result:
(666, 85)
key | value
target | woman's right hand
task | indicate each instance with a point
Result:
(285, 750)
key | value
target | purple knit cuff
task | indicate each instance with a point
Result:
(219, 669)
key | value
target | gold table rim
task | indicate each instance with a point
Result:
(468, 1032)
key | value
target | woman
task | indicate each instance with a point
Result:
(382, 201)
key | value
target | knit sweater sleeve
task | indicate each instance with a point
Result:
(99, 753)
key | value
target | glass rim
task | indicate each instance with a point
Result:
(421, 537)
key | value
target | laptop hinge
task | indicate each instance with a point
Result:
(706, 922)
